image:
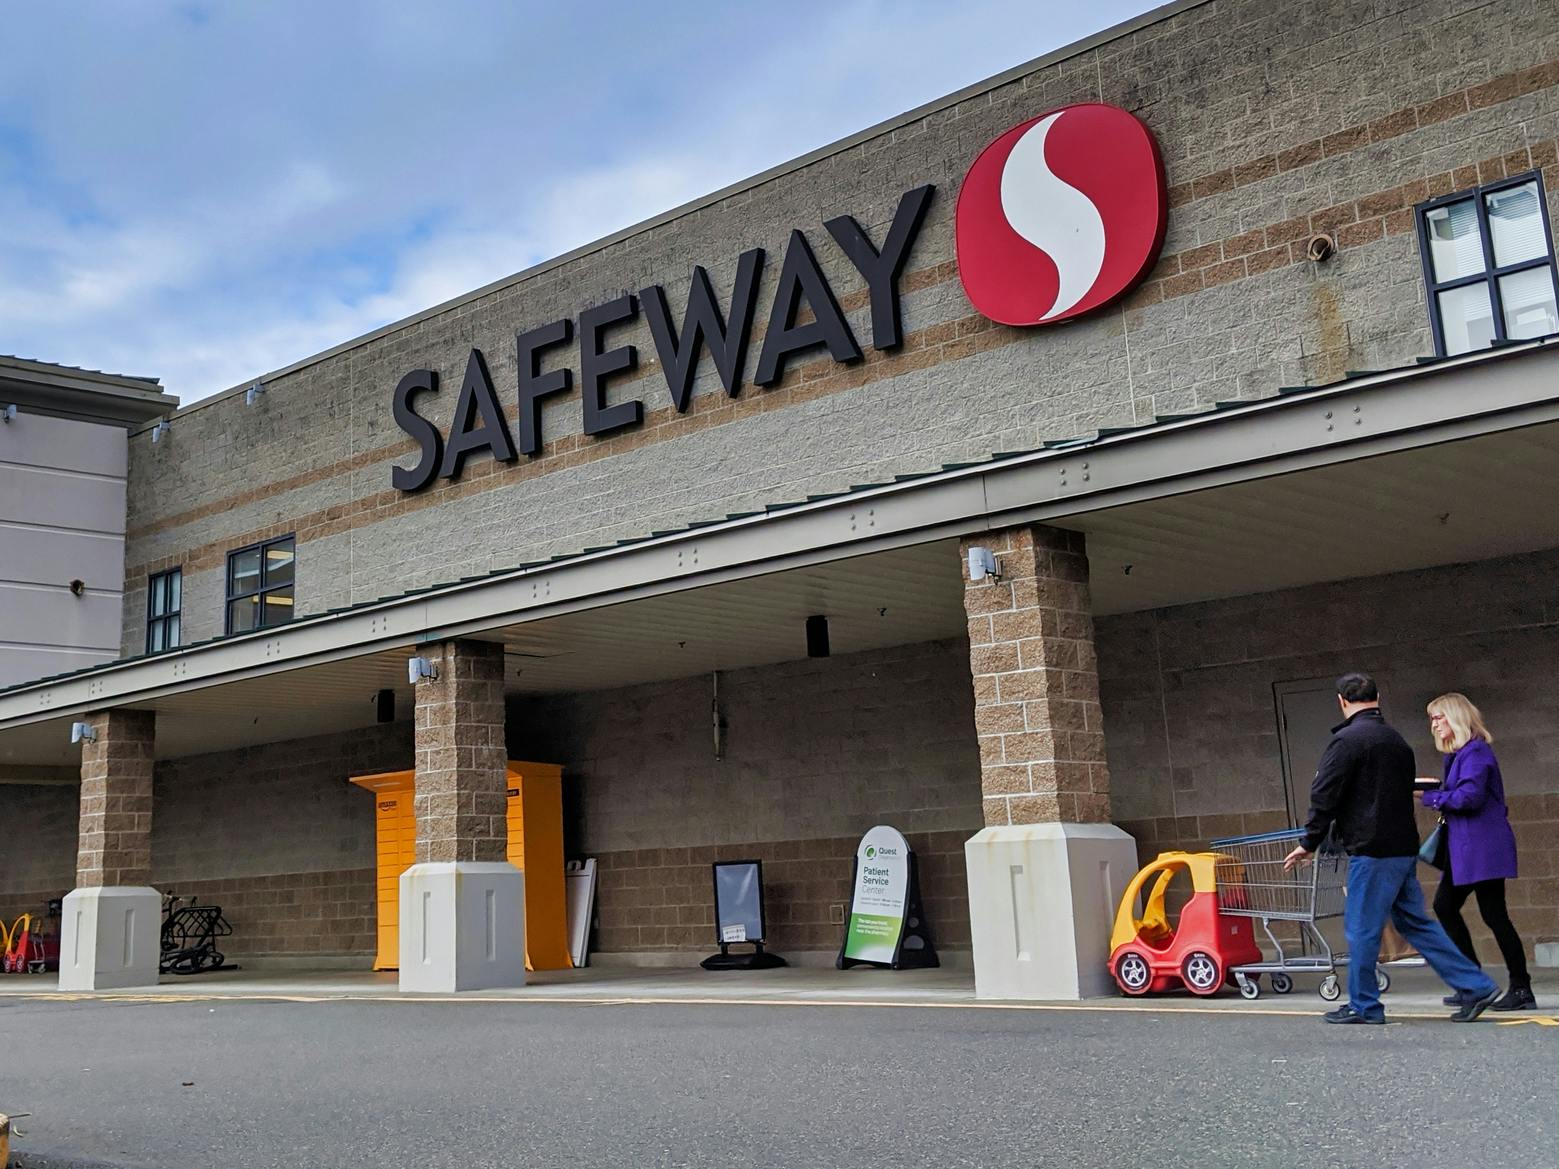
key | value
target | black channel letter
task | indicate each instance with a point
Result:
(704, 324)
(883, 269)
(595, 366)
(477, 401)
(406, 417)
(800, 277)
(535, 385)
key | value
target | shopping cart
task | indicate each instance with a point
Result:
(1252, 882)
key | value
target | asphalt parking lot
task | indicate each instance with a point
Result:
(250, 1084)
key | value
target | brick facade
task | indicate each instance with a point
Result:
(1277, 121)
(662, 899)
(114, 846)
(462, 779)
(1036, 680)
(293, 915)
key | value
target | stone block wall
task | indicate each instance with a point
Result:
(661, 899)
(460, 798)
(1191, 716)
(38, 853)
(1278, 120)
(114, 845)
(816, 752)
(294, 915)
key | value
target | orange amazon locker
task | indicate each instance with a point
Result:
(535, 848)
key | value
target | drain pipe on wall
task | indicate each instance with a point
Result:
(717, 723)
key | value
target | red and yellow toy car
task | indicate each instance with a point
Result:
(1149, 954)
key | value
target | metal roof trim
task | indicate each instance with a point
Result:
(929, 481)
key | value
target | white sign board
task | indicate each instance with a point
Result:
(877, 905)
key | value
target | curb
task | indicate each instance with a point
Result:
(59, 1159)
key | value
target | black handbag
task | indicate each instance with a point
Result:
(1435, 850)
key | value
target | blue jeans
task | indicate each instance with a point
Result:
(1382, 887)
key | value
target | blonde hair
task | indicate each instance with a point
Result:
(1462, 720)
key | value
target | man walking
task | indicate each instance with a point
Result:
(1363, 790)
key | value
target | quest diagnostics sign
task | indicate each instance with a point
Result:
(1058, 217)
(881, 894)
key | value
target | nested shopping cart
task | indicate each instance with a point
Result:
(1252, 882)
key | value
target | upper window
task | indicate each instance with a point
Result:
(1489, 265)
(164, 597)
(259, 585)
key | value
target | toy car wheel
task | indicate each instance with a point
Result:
(1133, 973)
(1383, 979)
(1282, 984)
(1329, 990)
(1201, 973)
(1250, 988)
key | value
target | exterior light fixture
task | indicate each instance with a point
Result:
(419, 668)
(982, 564)
(82, 733)
(7, 413)
(252, 394)
(160, 429)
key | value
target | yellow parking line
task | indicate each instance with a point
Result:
(704, 1001)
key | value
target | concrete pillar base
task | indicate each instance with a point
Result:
(110, 938)
(1042, 898)
(462, 926)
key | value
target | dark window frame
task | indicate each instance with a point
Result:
(159, 581)
(1491, 274)
(264, 590)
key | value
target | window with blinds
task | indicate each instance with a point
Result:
(1489, 265)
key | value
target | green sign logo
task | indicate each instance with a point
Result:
(870, 852)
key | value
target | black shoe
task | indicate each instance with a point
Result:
(1472, 1007)
(1346, 1014)
(1517, 998)
(1454, 999)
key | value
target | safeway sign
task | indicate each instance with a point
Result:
(1058, 217)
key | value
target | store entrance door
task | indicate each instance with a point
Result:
(1306, 712)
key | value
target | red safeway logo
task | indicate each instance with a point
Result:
(1060, 215)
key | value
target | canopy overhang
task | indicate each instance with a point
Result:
(1432, 464)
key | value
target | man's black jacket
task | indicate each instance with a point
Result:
(1364, 786)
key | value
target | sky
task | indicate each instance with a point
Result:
(204, 192)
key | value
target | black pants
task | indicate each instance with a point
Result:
(1448, 902)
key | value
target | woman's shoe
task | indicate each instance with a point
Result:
(1517, 998)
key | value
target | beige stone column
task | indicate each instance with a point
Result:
(461, 800)
(1036, 680)
(462, 905)
(114, 843)
(112, 919)
(1048, 870)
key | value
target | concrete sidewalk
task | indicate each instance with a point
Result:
(1415, 991)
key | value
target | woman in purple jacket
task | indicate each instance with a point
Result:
(1481, 846)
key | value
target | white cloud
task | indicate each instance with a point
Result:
(204, 200)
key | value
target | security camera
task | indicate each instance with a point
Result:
(982, 564)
